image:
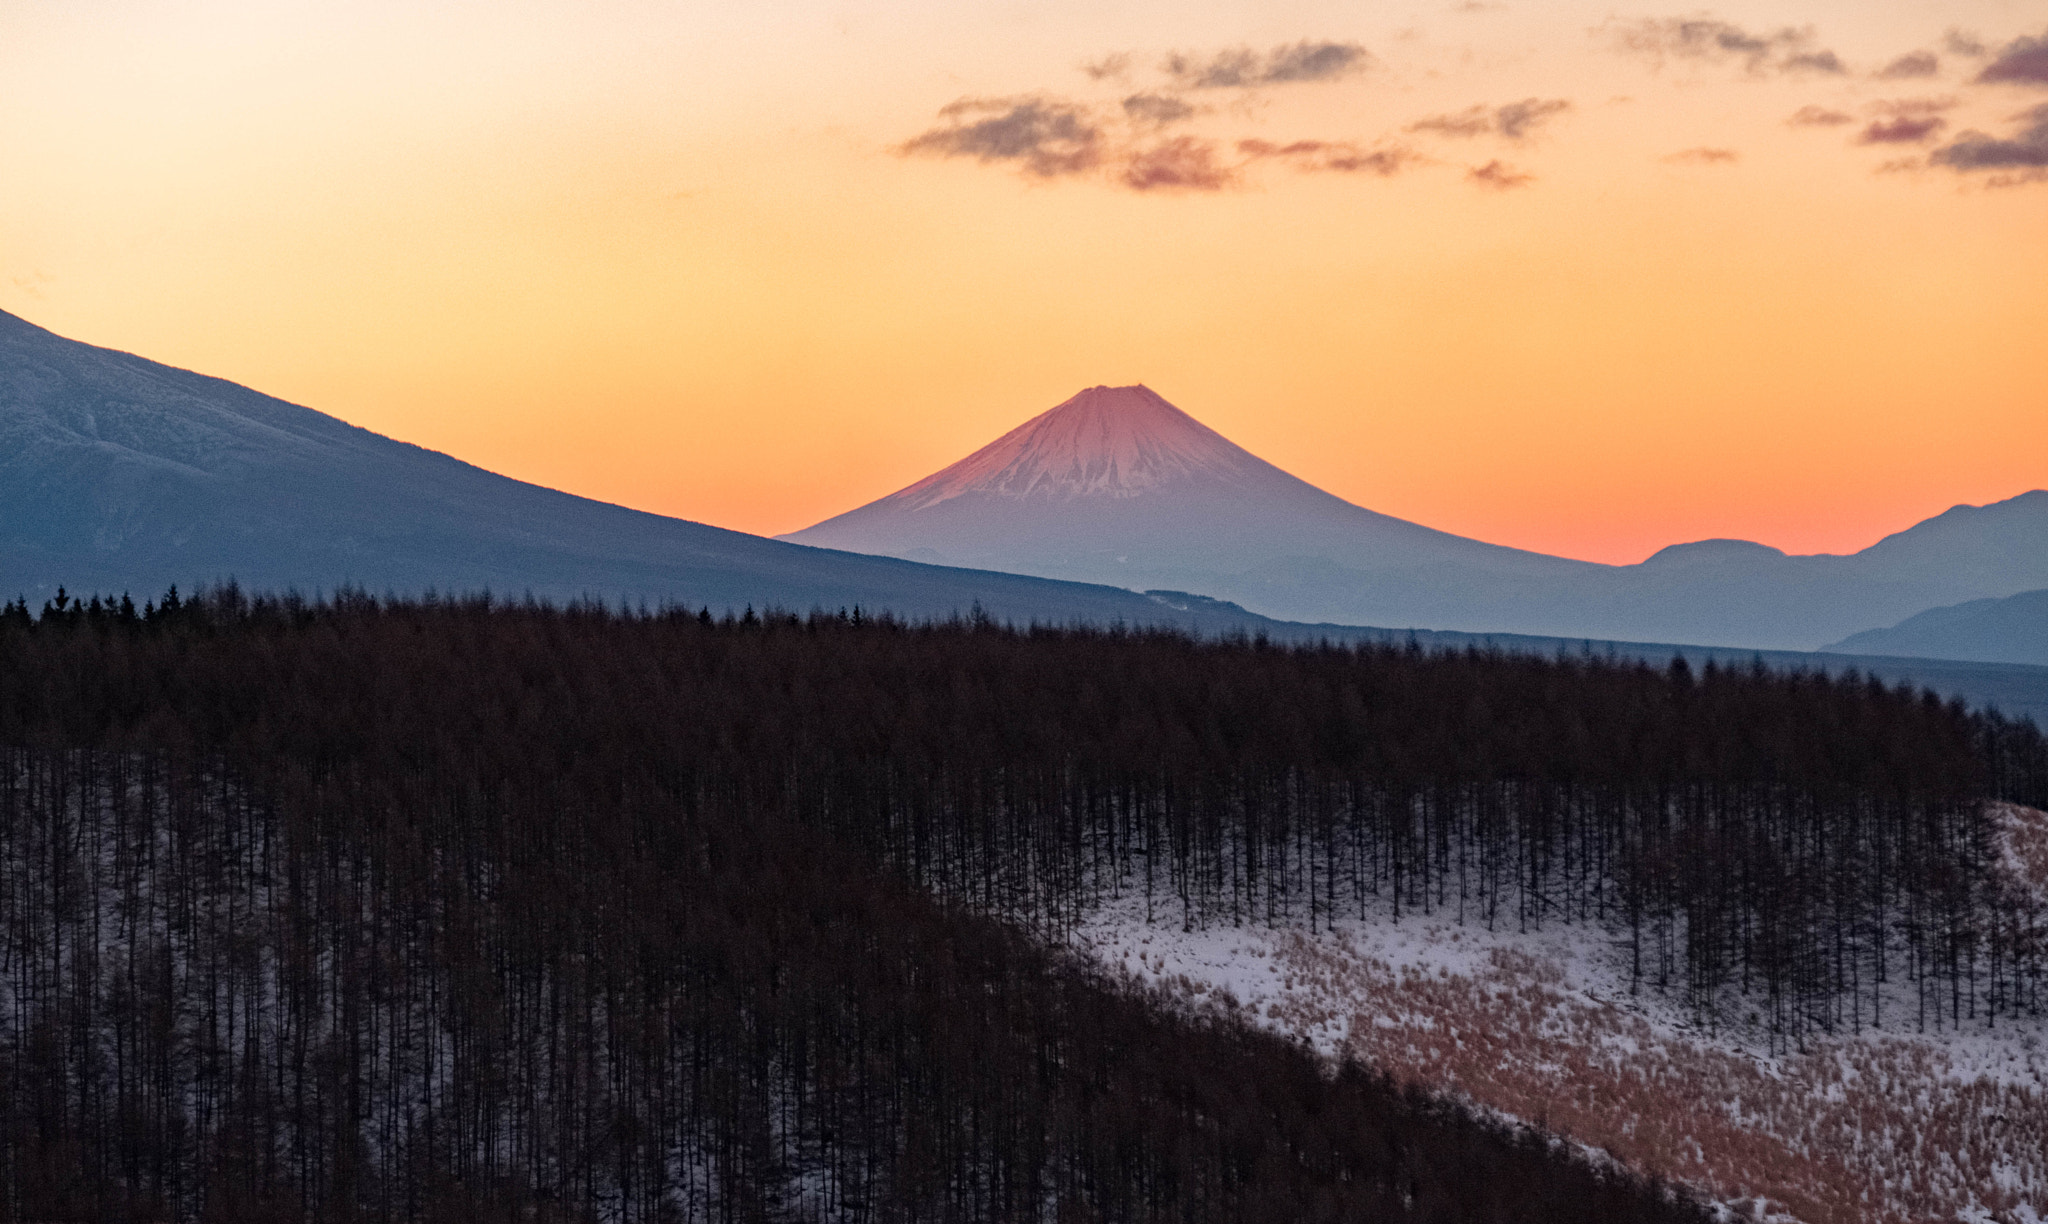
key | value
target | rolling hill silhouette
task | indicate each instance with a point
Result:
(2009, 630)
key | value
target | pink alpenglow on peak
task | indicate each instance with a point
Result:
(1104, 442)
(1117, 486)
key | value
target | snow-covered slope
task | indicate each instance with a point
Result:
(1893, 1124)
(1120, 485)
(1104, 442)
(1116, 485)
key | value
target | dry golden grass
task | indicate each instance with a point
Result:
(1884, 1127)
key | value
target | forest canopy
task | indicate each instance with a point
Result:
(385, 909)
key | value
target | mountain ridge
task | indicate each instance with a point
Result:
(1237, 527)
(2009, 630)
(120, 473)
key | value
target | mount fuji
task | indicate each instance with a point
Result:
(1118, 486)
(122, 474)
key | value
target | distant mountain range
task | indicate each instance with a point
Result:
(121, 474)
(2009, 630)
(1118, 486)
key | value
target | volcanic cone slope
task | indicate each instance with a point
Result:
(1116, 485)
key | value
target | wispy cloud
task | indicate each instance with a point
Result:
(1044, 137)
(1513, 121)
(1113, 67)
(1472, 121)
(1916, 106)
(1788, 50)
(1902, 129)
(1185, 163)
(1703, 157)
(1819, 116)
(1962, 42)
(1497, 175)
(2023, 61)
(1338, 157)
(1242, 68)
(1156, 109)
(1912, 65)
(1518, 119)
(2026, 149)
(1136, 141)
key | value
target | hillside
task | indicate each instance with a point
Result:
(1914, 1115)
(443, 910)
(2009, 630)
(121, 474)
(398, 912)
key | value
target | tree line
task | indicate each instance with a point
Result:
(391, 910)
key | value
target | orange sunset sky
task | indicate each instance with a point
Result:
(1576, 277)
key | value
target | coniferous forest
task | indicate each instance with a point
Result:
(392, 910)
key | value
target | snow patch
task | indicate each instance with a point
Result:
(1882, 1125)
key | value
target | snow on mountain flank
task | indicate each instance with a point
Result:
(1104, 442)
(1883, 1126)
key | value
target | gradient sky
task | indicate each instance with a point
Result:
(1569, 276)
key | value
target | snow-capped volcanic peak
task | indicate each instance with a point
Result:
(1105, 442)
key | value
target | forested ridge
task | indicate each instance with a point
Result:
(412, 910)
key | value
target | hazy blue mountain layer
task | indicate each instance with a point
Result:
(2009, 630)
(118, 473)
(1118, 486)
(121, 474)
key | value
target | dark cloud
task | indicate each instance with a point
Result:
(1513, 121)
(2023, 61)
(1704, 157)
(1499, 176)
(1819, 116)
(1243, 68)
(1045, 137)
(1704, 38)
(1184, 163)
(2026, 149)
(1156, 109)
(1338, 157)
(1911, 65)
(1902, 129)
